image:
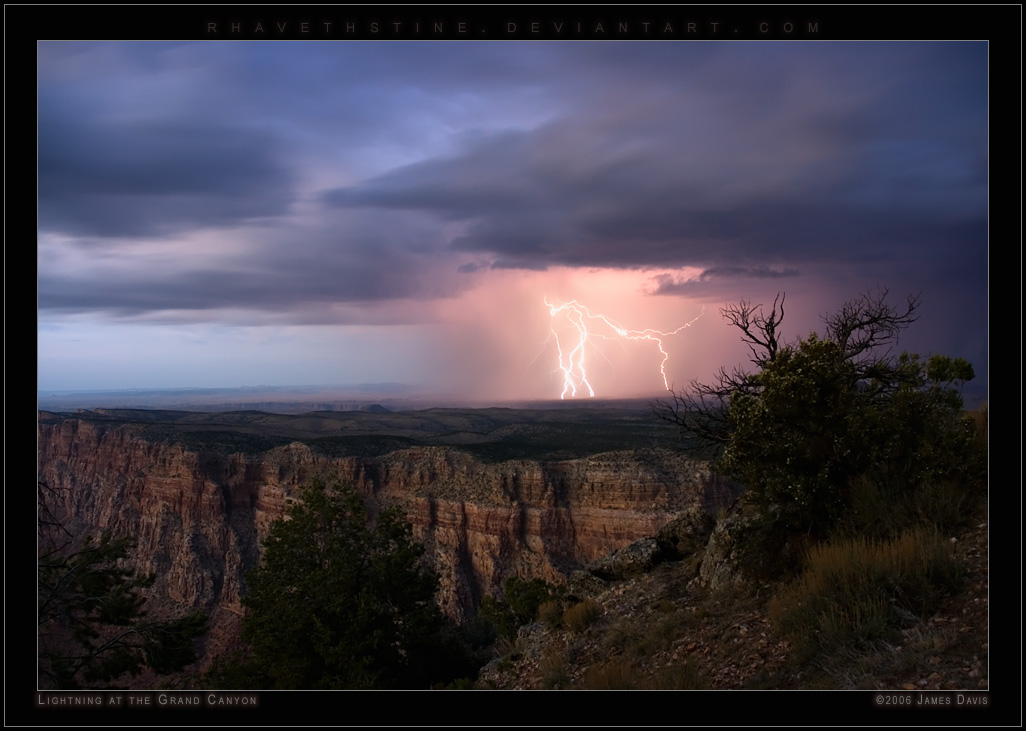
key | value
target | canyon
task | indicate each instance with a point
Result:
(198, 507)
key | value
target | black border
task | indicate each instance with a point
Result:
(1000, 25)
(734, 22)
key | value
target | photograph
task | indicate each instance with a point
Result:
(582, 348)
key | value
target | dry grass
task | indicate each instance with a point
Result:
(550, 614)
(611, 675)
(618, 674)
(855, 591)
(676, 677)
(582, 615)
(552, 669)
(879, 512)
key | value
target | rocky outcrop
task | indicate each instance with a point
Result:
(685, 535)
(199, 517)
(637, 558)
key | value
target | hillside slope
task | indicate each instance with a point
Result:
(663, 630)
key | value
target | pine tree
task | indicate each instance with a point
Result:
(337, 603)
(93, 629)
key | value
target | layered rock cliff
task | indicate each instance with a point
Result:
(199, 516)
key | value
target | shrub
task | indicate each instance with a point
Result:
(550, 614)
(582, 615)
(880, 511)
(616, 674)
(553, 671)
(855, 590)
(618, 637)
(480, 632)
(677, 677)
(610, 675)
(519, 604)
(793, 441)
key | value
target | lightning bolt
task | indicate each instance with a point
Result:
(571, 359)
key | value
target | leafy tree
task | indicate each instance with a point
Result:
(793, 440)
(93, 629)
(824, 412)
(337, 603)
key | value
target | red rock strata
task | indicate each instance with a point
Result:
(199, 518)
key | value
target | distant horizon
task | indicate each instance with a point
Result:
(356, 395)
(363, 393)
(265, 386)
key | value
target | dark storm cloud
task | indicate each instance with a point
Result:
(385, 171)
(142, 178)
(298, 270)
(520, 204)
(213, 289)
(144, 141)
(669, 284)
(769, 156)
(756, 272)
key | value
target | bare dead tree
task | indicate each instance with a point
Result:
(865, 328)
(701, 421)
(700, 411)
(759, 330)
(868, 322)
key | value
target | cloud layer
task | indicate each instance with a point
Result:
(369, 184)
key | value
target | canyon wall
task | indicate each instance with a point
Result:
(199, 518)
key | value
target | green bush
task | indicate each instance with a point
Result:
(815, 428)
(518, 605)
(793, 439)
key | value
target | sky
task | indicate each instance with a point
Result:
(439, 214)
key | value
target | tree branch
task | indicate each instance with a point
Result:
(759, 330)
(868, 322)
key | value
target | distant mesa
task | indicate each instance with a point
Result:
(376, 409)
